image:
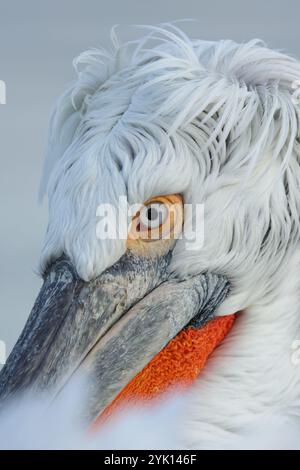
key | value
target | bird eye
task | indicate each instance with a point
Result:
(160, 218)
(153, 216)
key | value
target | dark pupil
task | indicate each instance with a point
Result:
(152, 214)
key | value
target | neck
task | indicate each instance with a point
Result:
(254, 374)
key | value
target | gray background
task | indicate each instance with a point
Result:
(38, 40)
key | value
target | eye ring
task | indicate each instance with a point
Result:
(158, 219)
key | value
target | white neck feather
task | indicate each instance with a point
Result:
(254, 376)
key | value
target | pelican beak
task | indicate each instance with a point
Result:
(107, 329)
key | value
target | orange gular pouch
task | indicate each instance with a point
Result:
(177, 365)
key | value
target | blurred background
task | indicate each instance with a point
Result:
(38, 41)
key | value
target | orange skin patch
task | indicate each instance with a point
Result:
(178, 364)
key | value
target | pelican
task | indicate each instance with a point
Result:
(169, 125)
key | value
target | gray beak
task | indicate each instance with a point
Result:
(107, 329)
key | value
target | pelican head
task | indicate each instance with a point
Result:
(193, 147)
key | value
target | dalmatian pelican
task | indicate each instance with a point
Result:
(170, 124)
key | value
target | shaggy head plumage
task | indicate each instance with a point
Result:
(213, 121)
